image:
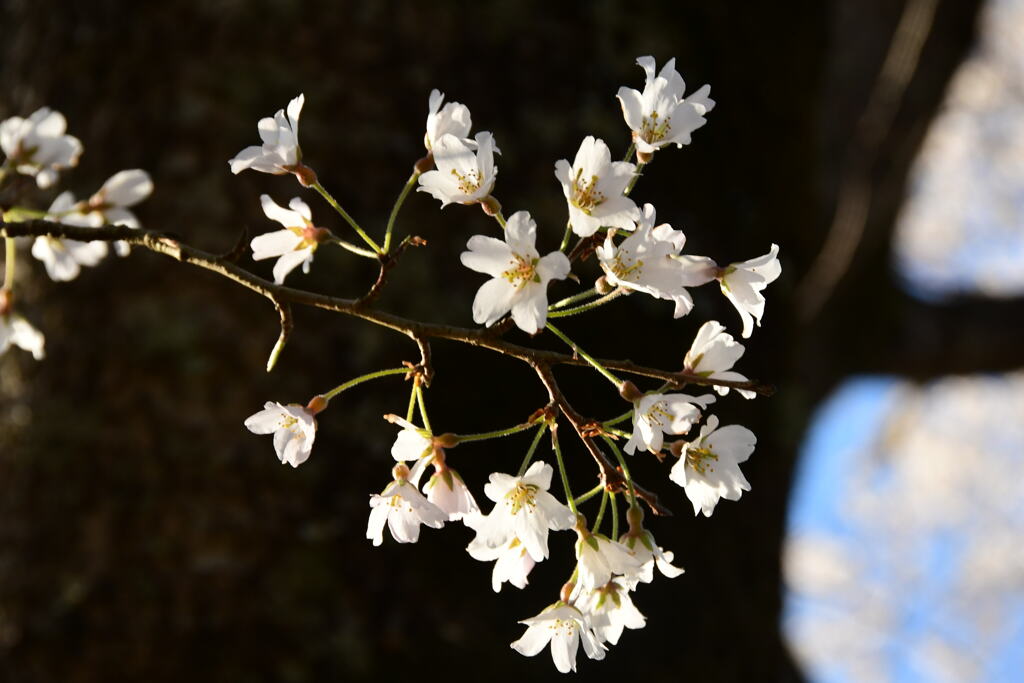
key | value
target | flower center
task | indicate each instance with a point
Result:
(288, 422)
(468, 183)
(622, 271)
(563, 627)
(653, 129)
(523, 270)
(658, 415)
(585, 195)
(522, 496)
(701, 460)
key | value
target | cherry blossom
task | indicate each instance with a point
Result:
(110, 203)
(523, 509)
(453, 118)
(403, 508)
(295, 244)
(563, 626)
(64, 258)
(519, 275)
(448, 491)
(598, 559)
(709, 467)
(37, 146)
(661, 115)
(643, 262)
(462, 176)
(649, 554)
(280, 152)
(594, 186)
(610, 610)
(655, 415)
(16, 331)
(712, 355)
(293, 427)
(512, 562)
(412, 443)
(742, 283)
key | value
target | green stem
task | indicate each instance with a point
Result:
(351, 247)
(566, 236)
(500, 217)
(600, 513)
(636, 177)
(583, 498)
(363, 378)
(344, 214)
(586, 356)
(616, 420)
(532, 449)
(423, 408)
(9, 264)
(629, 152)
(561, 469)
(625, 469)
(463, 438)
(615, 518)
(588, 306)
(574, 298)
(397, 207)
(412, 403)
(618, 432)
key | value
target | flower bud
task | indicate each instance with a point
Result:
(316, 404)
(306, 175)
(629, 392)
(603, 286)
(425, 164)
(400, 471)
(490, 205)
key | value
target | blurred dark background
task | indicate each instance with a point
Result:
(146, 535)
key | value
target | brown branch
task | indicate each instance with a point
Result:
(387, 262)
(280, 294)
(611, 475)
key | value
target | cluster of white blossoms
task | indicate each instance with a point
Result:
(634, 254)
(38, 147)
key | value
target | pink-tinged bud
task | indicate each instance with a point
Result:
(6, 301)
(635, 516)
(425, 164)
(316, 405)
(306, 175)
(644, 157)
(400, 472)
(490, 205)
(603, 286)
(566, 593)
(446, 440)
(628, 391)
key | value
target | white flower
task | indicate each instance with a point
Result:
(452, 119)
(462, 176)
(610, 610)
(644, 262)
(598, 559)
(295, 244)
(524, 509)
(293, 426)
(655, 415)
(110, 203)
(280, 152)
(16, 331)
(742, 283)
(446, 490)
(661, 115)
(403, 509)
(37, 146)
(712, 355)
(564, 627)
(512, 562)
(410, 444)
(594, 187)
(709, 467)
(63, 258)
(649, 554)
(519, 276)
